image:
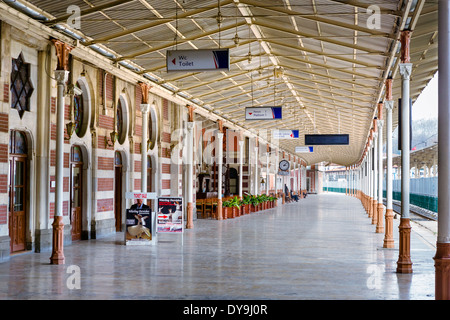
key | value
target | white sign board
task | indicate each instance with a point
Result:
(285, 134)
(197, 60)
(140, 195)
(263, 113)
(304, 149)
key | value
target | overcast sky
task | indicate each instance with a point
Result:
(426, 105)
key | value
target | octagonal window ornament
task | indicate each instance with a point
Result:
(21, 86)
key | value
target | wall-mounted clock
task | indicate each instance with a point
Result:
(284, 165)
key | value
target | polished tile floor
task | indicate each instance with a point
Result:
(323, 247)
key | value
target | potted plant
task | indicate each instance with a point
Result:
(226, 209)
(246, 204)
(254, 201)
(235, 204)
(264, 201)
(273, 201)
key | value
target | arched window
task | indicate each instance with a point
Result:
(117, 158)
(76, 155)
(21, 86)
(17, 143)
(78, 111)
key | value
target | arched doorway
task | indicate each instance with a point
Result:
(234, 181)
(17, 190)
(118, 190)
(76, 191)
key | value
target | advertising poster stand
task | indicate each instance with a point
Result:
(170, 217)
(140, 223)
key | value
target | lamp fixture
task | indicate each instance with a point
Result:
(70, 127)
(113, 138)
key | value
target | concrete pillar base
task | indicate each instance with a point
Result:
(380, 227)
(389, 235)
(442, 271)
(58, 241)
(219, 209)
(404, 264)
(189, 216)
(374, 211)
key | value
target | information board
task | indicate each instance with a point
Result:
(327, 139)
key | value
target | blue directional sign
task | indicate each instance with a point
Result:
(304, 149)
(285, 134)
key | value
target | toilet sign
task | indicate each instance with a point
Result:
(197, 60)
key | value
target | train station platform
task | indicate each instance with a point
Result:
(322, 248)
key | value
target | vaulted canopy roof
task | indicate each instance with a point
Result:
(324, 61)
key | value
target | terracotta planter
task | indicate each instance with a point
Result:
(225, 212)
(247, 208)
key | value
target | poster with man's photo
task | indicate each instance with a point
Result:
(170, 215)
(138, 226)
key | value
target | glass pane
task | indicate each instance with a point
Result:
(119, 119)
(18, 143)
(18, 199)
(76, 154)
(76, 177)
(76, 197)
(18, 174)
(117, 158)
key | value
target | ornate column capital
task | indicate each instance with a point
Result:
(405, 70)
(190, 126)
(389, 105)
(145, 107)
(61, 76)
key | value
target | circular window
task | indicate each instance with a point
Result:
(152, 128)
(78, 112)
(121, 120)
(81, 107)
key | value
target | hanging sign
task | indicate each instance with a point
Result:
(304, 149)
(263, 113)
(285, 134)
(327, 139)
(197, 60)
(170, 215)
